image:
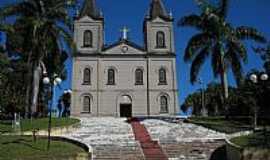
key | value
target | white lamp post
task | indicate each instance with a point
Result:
(47, 81)
(257, 79)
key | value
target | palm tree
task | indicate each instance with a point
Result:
(41, 27)
(219, 40)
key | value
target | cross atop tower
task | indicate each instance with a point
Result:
(125, 31)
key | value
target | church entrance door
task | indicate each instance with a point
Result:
(125, 110)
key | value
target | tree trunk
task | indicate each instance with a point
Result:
(28, 87)
(224, 82)
(255, 118)
(35, 87)
(225, 86)
(204, 110)
(27, 98)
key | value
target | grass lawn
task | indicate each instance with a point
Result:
(256, 140)
(28, 125)
(23, 148)
(221, 124)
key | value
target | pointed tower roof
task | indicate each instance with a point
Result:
(90, 9)
(157, 9)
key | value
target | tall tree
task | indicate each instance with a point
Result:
(42, 27)
(217, 39)
(12, 82)
(265, 55)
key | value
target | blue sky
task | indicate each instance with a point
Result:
(119, 13)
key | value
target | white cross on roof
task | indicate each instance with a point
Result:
(124, 31)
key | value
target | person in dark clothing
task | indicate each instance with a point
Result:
(66, 101)
(59, 106)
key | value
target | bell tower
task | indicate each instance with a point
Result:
(158, 30)
(89, 29)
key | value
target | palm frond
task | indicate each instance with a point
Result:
(6, 28)
(223, 9)
(249, 33)
(21, 8)
(197, 64)
(190, 21)
(196, 43)
(216, 60)
(236, 66)
(239, 48)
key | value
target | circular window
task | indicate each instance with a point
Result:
(124, 49)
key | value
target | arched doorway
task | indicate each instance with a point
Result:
(125, 106)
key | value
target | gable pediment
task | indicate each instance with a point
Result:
(124, 47)
(86, 19)
(158, 20)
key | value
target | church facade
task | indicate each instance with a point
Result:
(124, 79)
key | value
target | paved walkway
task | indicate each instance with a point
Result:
(151, 149)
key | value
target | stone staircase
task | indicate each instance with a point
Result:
(191, 150)
(118, 153)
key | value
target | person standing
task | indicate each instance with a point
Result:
(59, 106)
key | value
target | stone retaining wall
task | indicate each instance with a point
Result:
(55, 131)
(235, 152)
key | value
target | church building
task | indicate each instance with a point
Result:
(124, 79)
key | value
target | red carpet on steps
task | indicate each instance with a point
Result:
(151, 149)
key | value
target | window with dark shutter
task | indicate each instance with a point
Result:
(111, 77)
(88, 39)
(86, 76)
(162, 77)
(139, 77)
(160, 39)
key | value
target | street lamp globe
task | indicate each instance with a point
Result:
(58, 80)
(254, 78)
(46, 80)
(264, 77)
(69, 91)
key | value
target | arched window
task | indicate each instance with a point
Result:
(87, 76)
(162, 76)
(163, 104)
(86, 104)
(160, 39)
(139, 77)
(111, 77)
(88, 39)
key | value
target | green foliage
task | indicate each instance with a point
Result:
(38, 36)
(212, 98)
(221, 124)
(219, 40)
(253, 140)
(12, 84)
(24, 148)
(264, 52)
(41, 124)
(47, 27)
(242, 101)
